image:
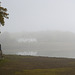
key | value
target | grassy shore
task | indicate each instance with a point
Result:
(36, 65)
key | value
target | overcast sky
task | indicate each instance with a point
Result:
(35, 15)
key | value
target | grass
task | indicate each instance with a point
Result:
(59, 71)
(33, 65)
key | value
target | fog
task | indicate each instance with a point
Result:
(39, 27)
(44, 43)
(39, 15)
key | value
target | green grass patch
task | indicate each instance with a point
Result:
(59, 71)
(31, 65)
(3, 61)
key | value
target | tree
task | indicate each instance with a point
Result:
(3, 14)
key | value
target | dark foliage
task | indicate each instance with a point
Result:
(3, 14)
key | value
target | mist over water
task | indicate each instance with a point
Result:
(39, 27)
(44, 43)
(27, 53)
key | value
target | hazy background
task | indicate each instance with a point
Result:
(38, 15)
(45, 43)
(43, 26)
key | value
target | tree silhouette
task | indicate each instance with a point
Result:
(3, 14)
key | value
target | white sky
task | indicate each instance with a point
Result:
(35, 15)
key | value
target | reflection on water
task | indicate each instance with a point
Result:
(27, 53)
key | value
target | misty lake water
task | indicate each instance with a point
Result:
(52, 44)
(27, 53)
